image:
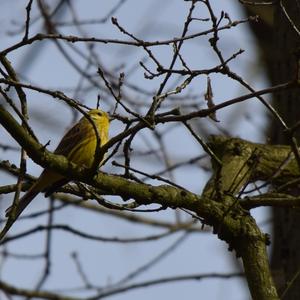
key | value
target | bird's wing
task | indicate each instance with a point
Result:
(71, 139)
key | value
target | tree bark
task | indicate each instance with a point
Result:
(219, 206)
(285, 259)
(278, 41)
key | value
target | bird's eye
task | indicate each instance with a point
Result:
(99, 114)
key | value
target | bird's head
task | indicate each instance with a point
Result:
(99, 116)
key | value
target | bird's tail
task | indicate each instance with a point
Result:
(13, 213)
(47, 178)
(23, 203)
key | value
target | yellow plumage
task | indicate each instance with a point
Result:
(79, 146)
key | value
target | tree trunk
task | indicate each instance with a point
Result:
(285, 260)
(279, 41)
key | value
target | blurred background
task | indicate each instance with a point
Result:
(64, 263)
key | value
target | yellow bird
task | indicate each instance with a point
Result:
(78, 145)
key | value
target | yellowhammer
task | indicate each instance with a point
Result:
(79, 146)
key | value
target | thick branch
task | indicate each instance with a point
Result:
(230, 221)
(276, 163)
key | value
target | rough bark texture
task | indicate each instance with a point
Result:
(278, 42)
(219, 206)
(286, 246)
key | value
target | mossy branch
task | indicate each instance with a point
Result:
(218, 206)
